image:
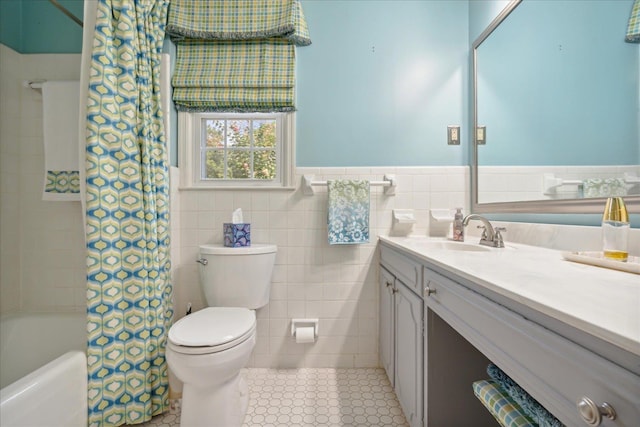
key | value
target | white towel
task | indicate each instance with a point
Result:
(60, 115)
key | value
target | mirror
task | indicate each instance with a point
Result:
(557, 91)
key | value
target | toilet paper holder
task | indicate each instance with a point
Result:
(301, 323)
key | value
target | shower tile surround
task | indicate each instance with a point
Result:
(337, 284)
(53, 280)
(42, 267)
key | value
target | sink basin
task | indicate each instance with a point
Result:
(447, 245)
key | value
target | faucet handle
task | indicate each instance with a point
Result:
(498, 236)
(484, 231)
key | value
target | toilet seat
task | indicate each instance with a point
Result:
(212, 330)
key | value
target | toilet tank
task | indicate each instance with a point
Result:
(237, 277)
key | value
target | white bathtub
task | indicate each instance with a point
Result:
(43, 370)
(29, 341)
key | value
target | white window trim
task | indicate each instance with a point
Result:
(189, 151)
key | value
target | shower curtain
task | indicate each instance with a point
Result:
(127, 225)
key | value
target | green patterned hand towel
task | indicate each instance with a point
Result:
(348, 212)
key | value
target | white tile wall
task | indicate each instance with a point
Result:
(9, 180)
(560, 237)
(42, 242)
(337, 284)
(508, 183)
(42, 255)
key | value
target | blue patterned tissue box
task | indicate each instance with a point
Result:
(237, 235)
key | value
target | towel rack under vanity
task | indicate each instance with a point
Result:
(388, 182)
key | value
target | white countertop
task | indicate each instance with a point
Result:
(601, 302)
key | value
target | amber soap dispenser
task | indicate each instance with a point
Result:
(615, 230)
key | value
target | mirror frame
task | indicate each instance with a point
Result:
(582, 206)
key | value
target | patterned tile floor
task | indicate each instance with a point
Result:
(314, 397)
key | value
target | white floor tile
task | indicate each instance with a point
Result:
(314, 397)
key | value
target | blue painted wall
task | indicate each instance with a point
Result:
(381, 82)
(11, 23)
(36, 26)
(586, 111)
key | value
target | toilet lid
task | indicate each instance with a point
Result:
(212, 326)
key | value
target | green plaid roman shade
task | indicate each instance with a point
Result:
(633, 28)
(236, 55)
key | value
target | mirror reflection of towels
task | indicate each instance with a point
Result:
(604, 187)
(348, 211)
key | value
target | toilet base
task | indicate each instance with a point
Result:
(226, 406)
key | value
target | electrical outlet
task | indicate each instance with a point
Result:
(453, 135)
(481, 135)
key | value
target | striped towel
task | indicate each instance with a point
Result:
(348, 212)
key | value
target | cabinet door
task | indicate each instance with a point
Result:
(386, 320)
(409, 353)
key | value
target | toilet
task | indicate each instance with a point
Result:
(207, 349)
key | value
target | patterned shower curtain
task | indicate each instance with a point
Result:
(127, 202)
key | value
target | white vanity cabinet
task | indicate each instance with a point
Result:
(386, 326)
(574, 374)
(555, 371)
(409, 359)
(401, 333)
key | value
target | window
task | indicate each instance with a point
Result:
(236, 150)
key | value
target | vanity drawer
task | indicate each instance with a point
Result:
(404, 268)
(554, 370)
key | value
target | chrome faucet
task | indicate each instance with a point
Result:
(490, 236)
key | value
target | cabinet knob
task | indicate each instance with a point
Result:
(388, 284)
(592, 413)
(428, 291)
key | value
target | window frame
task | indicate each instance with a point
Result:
(190, 134)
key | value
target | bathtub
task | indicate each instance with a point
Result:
(43, 370)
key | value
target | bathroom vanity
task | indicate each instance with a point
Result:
(568, 333)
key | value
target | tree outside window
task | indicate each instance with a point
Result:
(239, 149)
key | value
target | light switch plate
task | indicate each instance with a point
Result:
(453, 135)
(481, 135)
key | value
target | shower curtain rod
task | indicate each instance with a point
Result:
(66, 12)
